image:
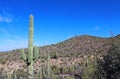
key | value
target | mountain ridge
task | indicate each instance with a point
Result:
(71, 52)
(74, 37)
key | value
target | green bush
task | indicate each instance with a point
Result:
(71, 69)
(64, 70)
(3, 60)
(70, 77)
(55, 70)
(54, 55)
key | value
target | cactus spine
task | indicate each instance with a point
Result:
(33, 52)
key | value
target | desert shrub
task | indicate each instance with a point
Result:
(2, 76)
(64, 70)
(70, 77)
(111, 64)
(55, 69)
(17, 75)
(71, 68)
(53, 76)
(3, 60)
(109, 68)
(88, 72)
(54, 55)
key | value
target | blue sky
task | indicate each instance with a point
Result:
(56, 20)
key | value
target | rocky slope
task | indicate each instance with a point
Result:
(71, 52)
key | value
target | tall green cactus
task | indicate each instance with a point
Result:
(33, 52)
(95, 60)
(48, 66)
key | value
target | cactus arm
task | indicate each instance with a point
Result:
(23, 56)
(35, 53)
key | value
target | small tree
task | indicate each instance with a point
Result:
(109, 68)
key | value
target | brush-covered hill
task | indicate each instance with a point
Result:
(69, 53)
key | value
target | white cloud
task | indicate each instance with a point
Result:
(8, 19)
(6, 16)
(96, 28)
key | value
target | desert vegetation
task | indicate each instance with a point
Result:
(80, 57)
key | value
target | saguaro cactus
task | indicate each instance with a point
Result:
(48, 66)
(33, 52)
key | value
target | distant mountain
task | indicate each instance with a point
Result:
(84, 44)
(72, 51)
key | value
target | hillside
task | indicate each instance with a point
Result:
(69, 53)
